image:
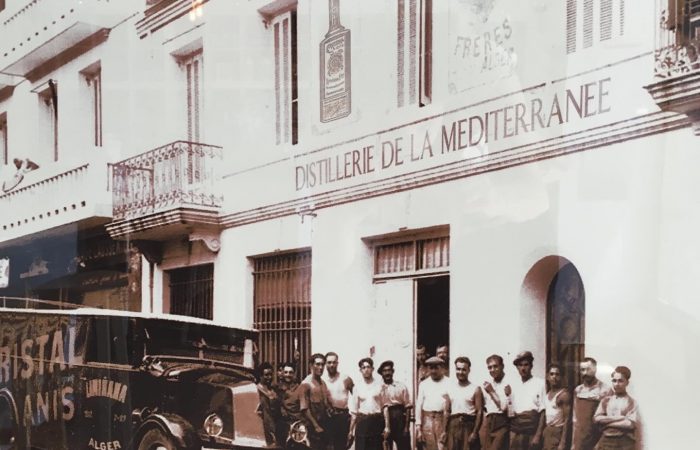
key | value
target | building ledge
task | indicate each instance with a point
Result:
(680, 94)
(166, 225)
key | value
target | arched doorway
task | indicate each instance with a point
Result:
(566, 308)
(553, 315)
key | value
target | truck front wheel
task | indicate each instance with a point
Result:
(155, 439)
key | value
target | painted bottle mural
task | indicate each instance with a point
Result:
(335, 67)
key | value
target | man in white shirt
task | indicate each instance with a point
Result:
(528, 405)
(340, 387)
(466, 409)
(367, 422)
(432, 406)
(496, 397)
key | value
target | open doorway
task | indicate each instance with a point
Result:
(433, 312)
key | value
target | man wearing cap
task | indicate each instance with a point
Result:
(396, 404)
(496, 397)
(466, 404)
(528, 405)
(340, 387)
(587, 397)
(617, 414)
(367, 421)
(432, 406)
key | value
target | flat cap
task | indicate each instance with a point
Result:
(434, 361)
(522, 356)
(389, 363)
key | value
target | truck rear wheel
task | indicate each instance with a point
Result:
(155, 439)
(8, 425)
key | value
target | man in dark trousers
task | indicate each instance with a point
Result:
(367, 420)
(617, 415)
(587, 397)
(496, 397)
(466, 409)
(396, 403)
(269, 406)
(340, 387)
(288, 391)
(314, 403)
(529, 392)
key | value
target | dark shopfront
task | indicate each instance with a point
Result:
(86, 268)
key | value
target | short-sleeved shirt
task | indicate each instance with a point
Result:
(367, 397)
(528, 395)
(289, 395)
(618, 405)
(462, 398)
(394, 394)
(499, 388)
(339, 388)
(315, 397)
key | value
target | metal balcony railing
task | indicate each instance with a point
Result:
(175, 175)
(678, 38)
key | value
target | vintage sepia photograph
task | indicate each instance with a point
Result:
(349, 224)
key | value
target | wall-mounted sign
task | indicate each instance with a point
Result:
(335, 67)
(4, 272)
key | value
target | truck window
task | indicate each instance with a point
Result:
(109, 340)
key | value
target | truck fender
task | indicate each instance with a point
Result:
(180, 429)
(4, 392)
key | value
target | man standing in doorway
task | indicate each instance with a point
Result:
(443, 352)
(466, 404)
(557, 405)
(367, 420)
(528, 405)
(396, 404)
(496, 398)
(340, 387)
(432, 406)
(314, 403)
(422, 371)
(288, 391)
(617, 414)
(587, 396)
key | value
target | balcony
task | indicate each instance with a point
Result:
(52, 198)
(36, 32)
(163, 12)
(677, 61)
(167, 192)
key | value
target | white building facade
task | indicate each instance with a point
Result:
(367, 176)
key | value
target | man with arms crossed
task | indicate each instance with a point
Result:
(557, 405)
(617, 415)
(496, 397)
(466, 404)
(396, 404)
(528, 405)
(314, 403)
(587, 396)
(432, 406)
(340, 387)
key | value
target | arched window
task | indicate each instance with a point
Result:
(566, 308)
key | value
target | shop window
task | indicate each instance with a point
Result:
(412, 257)
(110, 340)
(192, 291)
(4, 155)
(93, 80)
(284, 29)
(414, 52)
(282, 301)
(192, 66)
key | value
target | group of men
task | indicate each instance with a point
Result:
(452, 413)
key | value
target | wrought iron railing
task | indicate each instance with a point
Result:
(177, 174)
(678, 38)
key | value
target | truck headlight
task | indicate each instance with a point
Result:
(213, 425)
(298, 432)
